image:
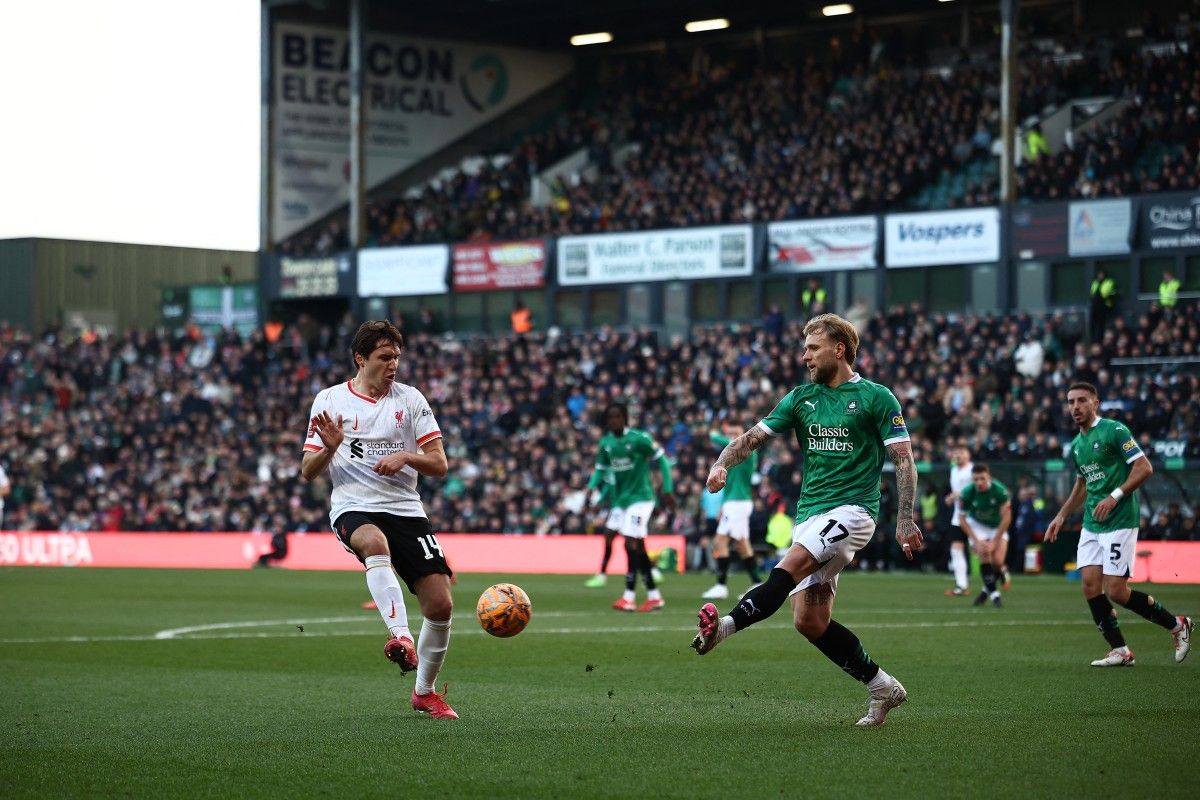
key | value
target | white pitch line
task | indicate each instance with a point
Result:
(210, 632)
(172, 633)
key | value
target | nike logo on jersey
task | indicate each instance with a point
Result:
(811, 404)
(355, 427)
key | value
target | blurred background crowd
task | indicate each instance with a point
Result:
(203, 433)
(678, 141)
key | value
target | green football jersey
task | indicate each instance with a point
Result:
(738, 484)
(627, 459)
(1102, 456)
(984, 506)
(843, 433)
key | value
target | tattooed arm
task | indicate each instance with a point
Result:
(908, 534)
(735, 453)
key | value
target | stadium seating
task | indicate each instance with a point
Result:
(738, 140)
(136, 432)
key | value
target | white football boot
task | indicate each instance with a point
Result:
(881, 703)
(1183, 639)
(1115, 658)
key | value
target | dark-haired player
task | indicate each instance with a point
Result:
(986, 516)
(1111, 467)
(376, 435)
(625, 454)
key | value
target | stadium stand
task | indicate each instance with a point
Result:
(726, 140)
(137, 432)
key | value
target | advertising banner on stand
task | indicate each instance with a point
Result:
(1039, 231)
(306, 277)
(969, 236)
(1099, 227)
(819, 245)
(499, 265)
(1169, 221)
(403, 271)
(421, 95)
(718, 252)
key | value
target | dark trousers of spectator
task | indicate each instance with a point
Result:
(877, 555)
(279, 551)
(1098, 322)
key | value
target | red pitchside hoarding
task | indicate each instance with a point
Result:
(499, 265)
(467, 552)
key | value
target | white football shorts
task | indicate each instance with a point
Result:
(735, 519)
(832, 537)
(637, 519)
(984, 532)
(1115, 551)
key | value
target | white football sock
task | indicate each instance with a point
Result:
(958, 565)
(385, 591)
(880, 682)
(654, 594)
(431, 652)
(629, 596)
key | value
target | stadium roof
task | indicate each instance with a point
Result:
(633, 23)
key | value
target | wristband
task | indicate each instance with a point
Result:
(1116, 494)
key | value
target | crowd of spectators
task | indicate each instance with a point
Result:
(145, 432)
(1152, 145)
(733, 139)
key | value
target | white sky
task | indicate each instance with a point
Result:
(130, 121)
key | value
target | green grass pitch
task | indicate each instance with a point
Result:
(175, 683)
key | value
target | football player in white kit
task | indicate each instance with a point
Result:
(960, 478)
(376, 435)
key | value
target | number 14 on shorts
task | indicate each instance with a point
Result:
(429, 543)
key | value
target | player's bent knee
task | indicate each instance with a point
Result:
(369, 541)
(811, 627)
(437, 610)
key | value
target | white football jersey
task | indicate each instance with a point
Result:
(960, 478)
(399, 421)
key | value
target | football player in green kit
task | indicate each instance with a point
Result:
(625, 454)
(986, 514)
(845, 424)
(737, 505)
(1111, 467)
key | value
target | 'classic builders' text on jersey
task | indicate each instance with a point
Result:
(842, 433)
(1102, 455)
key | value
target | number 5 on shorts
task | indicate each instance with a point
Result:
(1115, 552)
(429, 543)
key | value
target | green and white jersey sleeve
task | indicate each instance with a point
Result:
(842, 434)
(739, 483)
(1102, 456)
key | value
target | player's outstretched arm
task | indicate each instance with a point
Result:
(330, 431)
(735, 453)
(1070, 506)
(908, 533)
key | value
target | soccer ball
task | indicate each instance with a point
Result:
(503, 609)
